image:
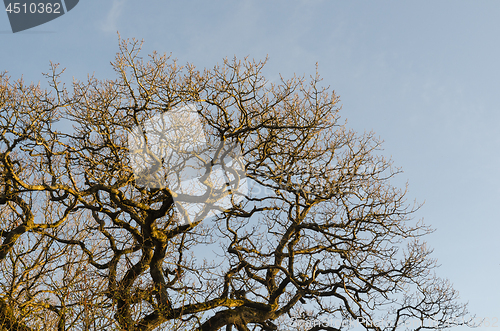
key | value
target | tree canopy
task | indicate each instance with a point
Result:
(318, 234)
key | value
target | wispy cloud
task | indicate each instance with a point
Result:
(110, 23)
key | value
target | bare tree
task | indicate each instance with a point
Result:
(319, 234)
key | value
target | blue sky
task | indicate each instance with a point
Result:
(423, 75)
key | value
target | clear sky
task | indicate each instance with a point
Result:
(423, 75)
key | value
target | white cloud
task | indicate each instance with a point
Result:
(110, 23)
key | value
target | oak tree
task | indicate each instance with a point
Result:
(318, 234)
